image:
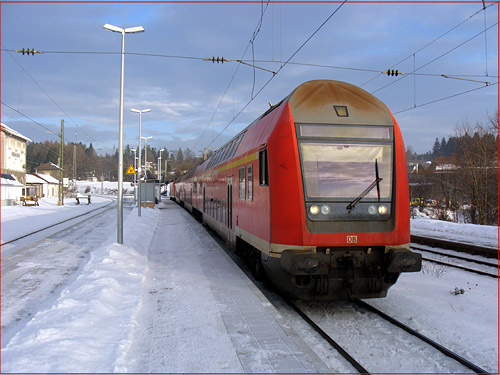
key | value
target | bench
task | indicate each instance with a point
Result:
(80, 197)
(29, 201)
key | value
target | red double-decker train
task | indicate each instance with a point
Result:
(313, 193)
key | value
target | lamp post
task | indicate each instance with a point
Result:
(135, 174)
(140, 112)
(137, 29)
(159, 165)
(146, 157)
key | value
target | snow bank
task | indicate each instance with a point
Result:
(89, 327)
(481, 235)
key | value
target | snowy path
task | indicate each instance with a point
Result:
(201, 313)
(168, 331)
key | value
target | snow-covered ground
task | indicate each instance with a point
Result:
(480, 235)
(89, 324)
(20, 220)
(103, 188)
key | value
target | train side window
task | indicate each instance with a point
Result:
(263, 168)
(223, 211)
(250, 182)
(241, 185)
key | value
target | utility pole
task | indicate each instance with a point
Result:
(60, 202)
(166, 169)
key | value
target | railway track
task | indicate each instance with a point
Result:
(457, 246)
(65, 221)
(438, 349)
(460, 266)
(365, 306)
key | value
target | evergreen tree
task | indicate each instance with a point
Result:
(180, 156)
(436, 148)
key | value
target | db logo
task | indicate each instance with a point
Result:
(352, 239)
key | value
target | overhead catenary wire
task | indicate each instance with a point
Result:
(43, 90)
(433, 41)
(50, 131)
(33, 121)
(278, 70)
(437, 58)
(256, 31)
(445, 98)
(368, 70)
(248, 63)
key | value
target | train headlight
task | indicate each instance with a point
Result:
(372, 210)
(382, 210)
(325, 210)
(314, 210)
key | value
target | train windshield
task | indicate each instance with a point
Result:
(344, 169)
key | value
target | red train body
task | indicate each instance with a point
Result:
(314, 193)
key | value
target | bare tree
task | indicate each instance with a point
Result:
(478, 163)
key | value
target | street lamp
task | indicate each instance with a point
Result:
(159, 166)
(136, 29)
(140, 112)
(146, 156)
(135, 174)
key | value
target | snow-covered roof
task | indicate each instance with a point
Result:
(32, 179)
(47, 178)
(48, 167)
(14, 132)
(10, 180)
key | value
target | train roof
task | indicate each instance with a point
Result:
(316, 101)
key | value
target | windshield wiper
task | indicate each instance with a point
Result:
(376, 183)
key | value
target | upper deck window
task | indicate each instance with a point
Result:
(345, 132)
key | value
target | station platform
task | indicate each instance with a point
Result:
(201, 313)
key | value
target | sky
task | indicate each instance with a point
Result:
(199, 104)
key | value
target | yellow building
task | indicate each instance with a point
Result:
(13, 157)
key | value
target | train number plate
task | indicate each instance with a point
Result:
(352, 239)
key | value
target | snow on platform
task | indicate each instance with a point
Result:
(202, 314)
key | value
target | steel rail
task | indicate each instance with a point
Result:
(461, 267)
(331, 341)
(429, 341)
(482, 262)
(457, 246)
(55, 224)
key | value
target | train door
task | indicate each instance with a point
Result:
(204, 201)
(230, 202)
